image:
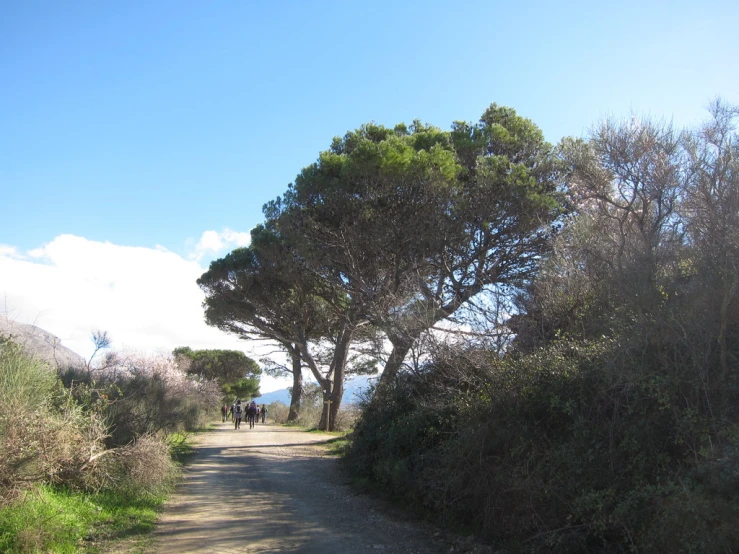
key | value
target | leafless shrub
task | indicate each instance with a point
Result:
(151, 394)
(310, 415)
(346, 418)
(140, 467)
(45, 436)
(46, 448)
(278, 412)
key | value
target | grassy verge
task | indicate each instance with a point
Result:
(56, 519)
(49, 519)
(180, 445)
(336, 446)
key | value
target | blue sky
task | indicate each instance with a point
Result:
(165, 126)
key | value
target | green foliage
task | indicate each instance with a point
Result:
(338, 446)
(556, 450)
(224, 366)
(23, 380)
(49, 519)
(393, 230)
(402, 227)
(243, 388)
(610, 424)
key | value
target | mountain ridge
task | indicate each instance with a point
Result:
(353, 389)
(40, 344)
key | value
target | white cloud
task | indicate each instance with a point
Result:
(9, 251)
(214, 242)
(146, 299)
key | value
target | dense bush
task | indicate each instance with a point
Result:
(610, 423)
(61, 461)
(45, 436)
(146, 395)
(137, 469)
(557, 451)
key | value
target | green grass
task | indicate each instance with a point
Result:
(48, 519)
(299, 424)
(55, 519)
(180, 445)
(336, 446)
(331, 433)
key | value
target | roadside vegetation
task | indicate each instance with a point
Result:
(311, 410)
(557, 326)
(607, 421)
(88, 454)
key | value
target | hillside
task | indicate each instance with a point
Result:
(41, 344)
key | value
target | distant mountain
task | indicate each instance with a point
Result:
(276, 396)
(352, 392)
(40, 344)
(355, 388)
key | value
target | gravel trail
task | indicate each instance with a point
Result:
(273, 489)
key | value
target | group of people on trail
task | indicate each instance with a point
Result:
(237, 412)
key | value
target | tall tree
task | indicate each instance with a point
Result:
(351, 216)
(258, 293)
(392, 229)
(711, 214)
(236, 373)
(496, 227)
(411, 223)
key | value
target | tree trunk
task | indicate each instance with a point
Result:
(323, 424)
(400, 350)
(337, 393)
(323, 382)
(297, 392)
(335, 390)
(402, 342)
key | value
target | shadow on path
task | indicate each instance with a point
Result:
(270, 490)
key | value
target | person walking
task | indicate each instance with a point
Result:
(224, 412)
(251, 414)
(237, 414)
(264, 413)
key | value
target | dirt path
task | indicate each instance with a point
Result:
(273, 489)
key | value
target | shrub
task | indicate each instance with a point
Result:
(44, 434)
(148, 395)
(566, 449)
(278, 412)
(142, 467)
(310, 415)
(346, 418)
